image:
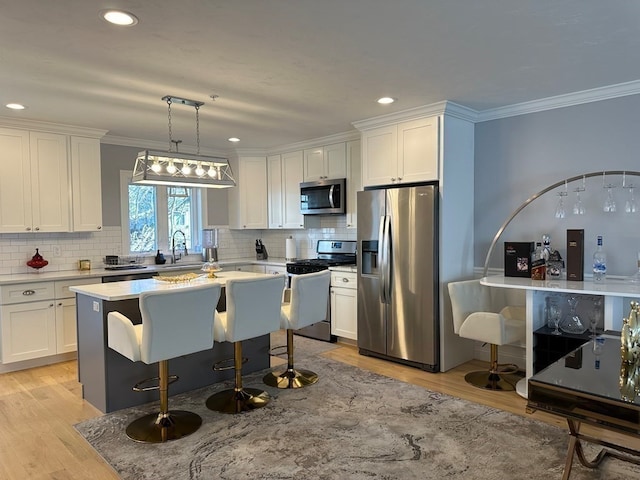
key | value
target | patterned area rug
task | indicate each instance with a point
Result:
(352, 424)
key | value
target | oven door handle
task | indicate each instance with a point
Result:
(331, 202)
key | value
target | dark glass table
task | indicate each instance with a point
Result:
(591, 385)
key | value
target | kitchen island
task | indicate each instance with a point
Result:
(107, 377)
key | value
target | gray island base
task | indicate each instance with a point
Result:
(107, 377)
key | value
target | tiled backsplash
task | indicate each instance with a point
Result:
(63, 250)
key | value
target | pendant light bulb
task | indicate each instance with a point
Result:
(156, 167)
(212, 171)
(186, 169)
(199, 169)
(171, 168)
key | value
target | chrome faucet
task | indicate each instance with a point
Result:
(173, 246)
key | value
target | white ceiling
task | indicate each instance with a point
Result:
(292, 70)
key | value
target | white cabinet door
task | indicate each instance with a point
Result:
(354, 181)
(313, 165)
(86, 184)
(344, 313)
(49, 182)
(15, 182)
(248, 201)
(292, 172)
(28, 331)
(380, 156)
(275, 191)
(418, 150)
(335, 160)
(66, 331)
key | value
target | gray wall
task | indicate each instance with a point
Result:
(518, 156)
(116, 158)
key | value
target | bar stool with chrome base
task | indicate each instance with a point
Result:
(174, 323)
(309, 300)
(484, 314)
(253, 309)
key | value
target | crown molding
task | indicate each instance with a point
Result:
(316, 142)
(12, 122)
(440, 108)
(560, 101)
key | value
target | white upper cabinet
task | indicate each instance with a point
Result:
(247, 205)
(284, 173)
(325, 162)
(34, 188)
(354, 181)
(403, 153)
(86, 184)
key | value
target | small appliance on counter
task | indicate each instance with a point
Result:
(261, 250)
(160, 260)
(210, 245)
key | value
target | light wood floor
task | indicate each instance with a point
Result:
(38, 408)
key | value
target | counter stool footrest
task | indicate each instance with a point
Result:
(139, 388)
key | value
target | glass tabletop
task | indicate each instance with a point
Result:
(594, 369)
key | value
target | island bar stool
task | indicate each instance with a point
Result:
(309, 300)
(253, 309)
(175, 322)
(483, 314)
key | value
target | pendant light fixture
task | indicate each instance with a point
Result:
(173, 168)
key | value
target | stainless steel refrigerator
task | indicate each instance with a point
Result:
(398, 315)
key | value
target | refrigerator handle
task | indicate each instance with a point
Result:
(387, 259)
(381, 253)
(331, 203)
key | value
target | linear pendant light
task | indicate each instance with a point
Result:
(173, 168)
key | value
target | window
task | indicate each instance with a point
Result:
(154, 214)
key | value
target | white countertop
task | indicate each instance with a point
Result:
(133, 288)
(611, 287)
(98, 273)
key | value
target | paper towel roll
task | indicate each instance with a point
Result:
(290, 249)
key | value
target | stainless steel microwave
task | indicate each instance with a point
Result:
(323, 197)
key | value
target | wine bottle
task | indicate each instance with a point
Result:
(599, 262)
(538, 263)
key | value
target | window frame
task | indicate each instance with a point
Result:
(198, 216)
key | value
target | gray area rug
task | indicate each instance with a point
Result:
(351, 424)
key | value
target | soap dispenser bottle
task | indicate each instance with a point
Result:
(160, 260)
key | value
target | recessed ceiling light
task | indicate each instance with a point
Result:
(15, 106)
(234, 139)
(386, 100)
(119, 17)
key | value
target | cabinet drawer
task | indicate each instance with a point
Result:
(26, 292)
(344, 280)
(62, 286)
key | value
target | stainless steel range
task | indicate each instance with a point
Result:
(330, 253)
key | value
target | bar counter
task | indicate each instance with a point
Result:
(107, 377)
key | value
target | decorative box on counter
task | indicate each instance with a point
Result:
(517, 259)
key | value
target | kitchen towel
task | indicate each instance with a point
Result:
(290, 249)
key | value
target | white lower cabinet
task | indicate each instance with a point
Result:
(38, 319)
(28, 331)
(344, 305)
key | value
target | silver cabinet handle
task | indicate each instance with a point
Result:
(50, 305)
(60, 304)
(29, 292)
(345, 280)
(99, 227)
(28, 229)
(393, 179)
(37, 229)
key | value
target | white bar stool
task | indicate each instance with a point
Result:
(253, 309)
(309, 300)
(174, 323)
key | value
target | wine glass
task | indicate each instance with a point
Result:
(578, 207)
(560, 211)
(554, 314)
(630, 205)
(609, 202)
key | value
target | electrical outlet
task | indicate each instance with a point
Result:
(57, 251)
(96, 306)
